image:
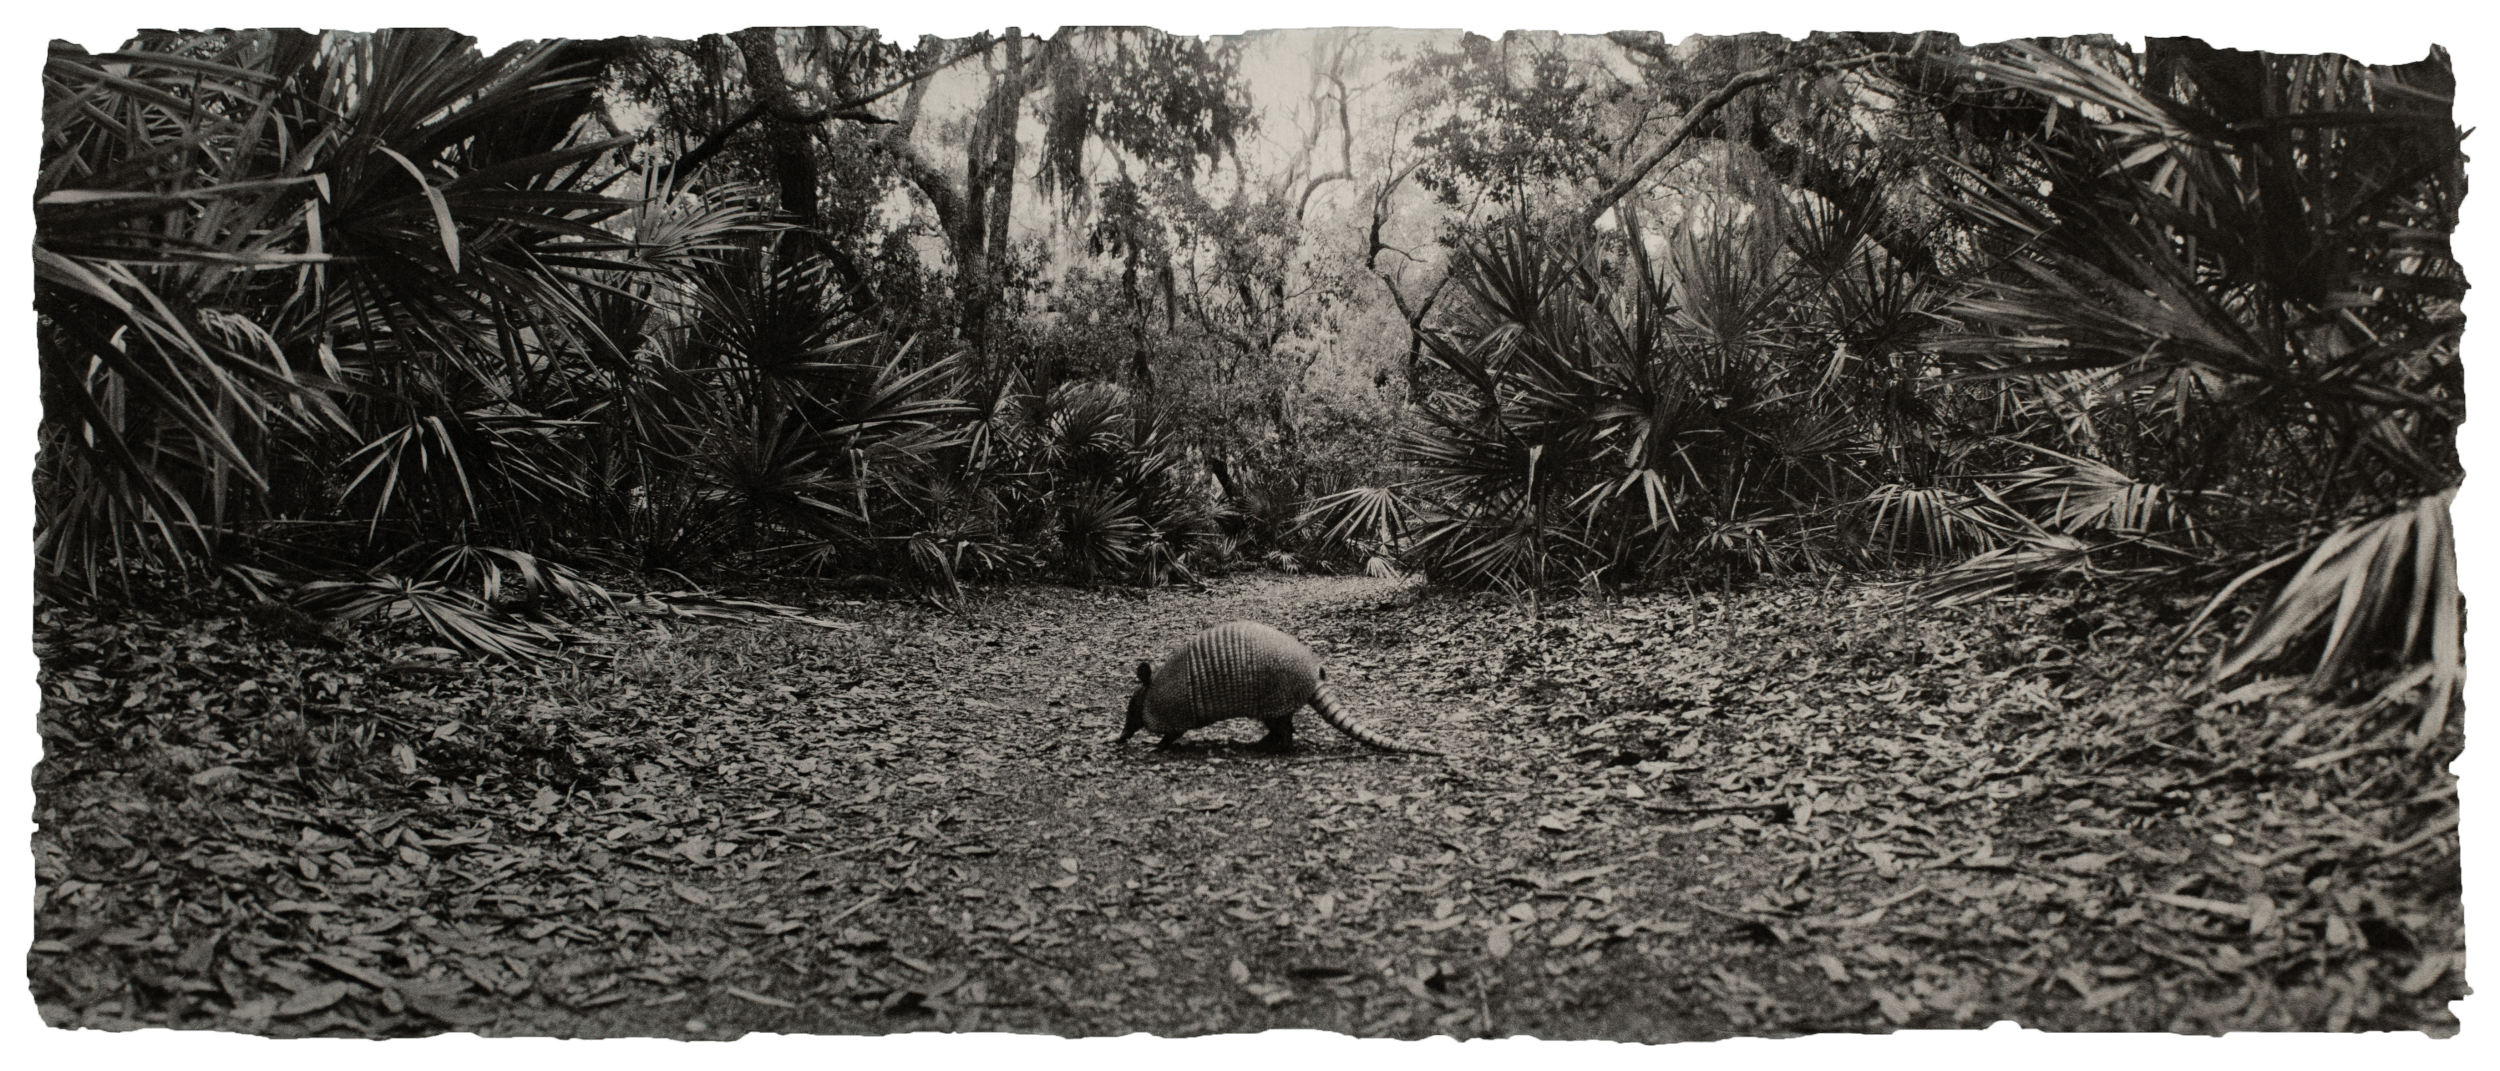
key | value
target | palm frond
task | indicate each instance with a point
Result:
(1934, 521)
(2078, 495)
(2035, 555)
(457, 617)
(2386, 584)
(1378, 514)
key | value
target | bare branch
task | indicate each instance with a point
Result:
(1303, 207)
(1710, 105)
(774, 93)
(782, 104)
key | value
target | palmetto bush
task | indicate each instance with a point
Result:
(1094, 481)
(789, 426)
(306, 303)
(1626, 418)
(252, 246)
(2227, 315)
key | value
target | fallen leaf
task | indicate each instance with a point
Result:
(859, 939)
(348, 967)
(2107, 995)
(2198, 903)
(756, 998)
(444, 1007)
(312, 1000)
(1896, 1007)
(2260, 912)
(2088, 862)
(2426, 972)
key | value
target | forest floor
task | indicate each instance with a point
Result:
(1796, 808)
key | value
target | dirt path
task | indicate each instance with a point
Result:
(1791, 810)
(1008, 867)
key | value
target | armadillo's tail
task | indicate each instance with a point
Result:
(1325, 701)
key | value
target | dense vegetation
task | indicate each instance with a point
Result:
(379, 325)
(1889, 532)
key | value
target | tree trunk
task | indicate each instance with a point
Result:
(1223, 471)
(975, 282)
(792, 142)
(944, 200)
(1003, 169)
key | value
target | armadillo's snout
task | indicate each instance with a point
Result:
(1136, 715)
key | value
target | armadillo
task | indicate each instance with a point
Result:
(1241, 669)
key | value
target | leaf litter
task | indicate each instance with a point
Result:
(1794, 809)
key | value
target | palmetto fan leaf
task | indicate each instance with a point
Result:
(2247, 253)
(1729, 277)
(1467, 458)
(1099, 531)
(764, 467)
(673, 227)
(2077, 495)
(1930, 520)
(2388, 583)
(893, 396)
(2036, 555)
(1486, 549)
(1380, 515)
(1596, 423)
(456, 616)
(494, 569)
(2254, 239)
(250, 242)
(1094, 477)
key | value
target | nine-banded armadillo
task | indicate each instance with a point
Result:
(1241, 669)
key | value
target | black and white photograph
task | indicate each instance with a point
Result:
(1431, 526)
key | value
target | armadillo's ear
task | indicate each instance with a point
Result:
(1145, 673)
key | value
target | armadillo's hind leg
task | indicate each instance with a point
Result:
(1168, 740)
(1279, 735)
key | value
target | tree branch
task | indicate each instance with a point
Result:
(1710, 105)
(695, 158)
(786, 108)
(1303, 206)
(944, 201)
(1380, 215)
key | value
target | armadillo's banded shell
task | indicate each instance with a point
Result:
(1241, 669)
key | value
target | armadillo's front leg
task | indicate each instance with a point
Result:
(1168, 740)
(1279, 735)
